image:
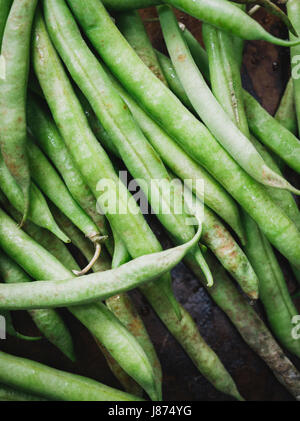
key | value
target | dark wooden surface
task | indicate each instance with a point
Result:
(265, 72)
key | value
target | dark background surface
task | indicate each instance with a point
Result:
(265, 73)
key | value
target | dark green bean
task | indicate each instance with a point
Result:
(10, 329)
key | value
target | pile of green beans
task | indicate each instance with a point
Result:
(85, 96)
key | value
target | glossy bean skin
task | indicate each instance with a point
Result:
(48, 321)
(250, 326)
(13, 88)
(39, 211)
(192, 136)
(286, 112)
(219, 13)
(48, 138)
(5, 6)
(54, 384)
(121, 305)
(207, 107)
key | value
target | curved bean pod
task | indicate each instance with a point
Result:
(48, 321)
(13, 85)
(219, 13)
(121, 305)
(54, 384)
(82, 290)
(39, 211)
(10, 329)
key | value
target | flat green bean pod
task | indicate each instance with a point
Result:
(54, 384)
(286, 112)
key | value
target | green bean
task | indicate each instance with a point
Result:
(216, 237)
(54, 384)
(230, 137)
(286, 112)
(250, 326)
(5, 6)
(63, 103)
(9, 394)
(280, 140)
(10, 329)
(227, 87)
(132, 27)
(121, 5)
(47, 136)
(102, 264)
(96, 317)
(13, 84)
(185, 167)
(273, 289)
(121, 305)
(99, 285)
(122, 211)
(97, 128)
(220, 13)
(39, 211)
(172, 79)
(52, 185)
(48, 321)
(185, 128)
(138, 155)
